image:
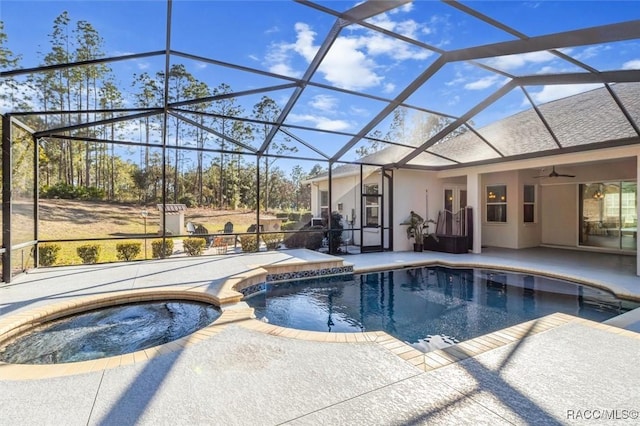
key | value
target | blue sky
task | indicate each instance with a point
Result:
(282, 37)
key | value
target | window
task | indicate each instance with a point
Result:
(324, 204)
(371, 205)
(529, 203)
(497, 203)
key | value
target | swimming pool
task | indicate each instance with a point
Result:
(429, 307)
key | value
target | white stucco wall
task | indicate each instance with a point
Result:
(410, 193)
(501, 234)
(559, 205)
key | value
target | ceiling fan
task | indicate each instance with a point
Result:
(554, 174)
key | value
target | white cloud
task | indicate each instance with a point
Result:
(454, 100)
(363, 112)
(272, 30)
(590, 52)
(551, 93)
(354, 62)
(324, 103)
(459, 79)
(321, 123)
(389, 88)
(514, 62)
(633, 64)
(483, 83)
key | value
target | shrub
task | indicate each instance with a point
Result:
(282, 215)
(48, 254)
(128, 251)
(188, 200)
(291, 226)
(272, 241)
(314, 238)
(294, 217)
(158, 250)
(70, 192)
(249, 243)
(296, 240)
(89, 253)
(310, 238)
(335, 234)
(194, 246)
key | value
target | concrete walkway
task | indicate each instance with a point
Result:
(246, 377)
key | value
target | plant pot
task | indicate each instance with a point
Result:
(417, 247)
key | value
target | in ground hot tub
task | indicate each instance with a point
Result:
(108, 331)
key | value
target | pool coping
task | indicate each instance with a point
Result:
(229, 299)
(618, 292)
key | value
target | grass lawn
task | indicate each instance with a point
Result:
(74, 219)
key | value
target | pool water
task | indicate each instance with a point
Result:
(429, 307)
(108, 332)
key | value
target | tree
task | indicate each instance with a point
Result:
(89, 44)
(149, 95)
(267, 111)
(225, 108)
(9, 86)
(195, 90)
(317, 170)
(110, 98)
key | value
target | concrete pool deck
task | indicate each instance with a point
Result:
(244, 375)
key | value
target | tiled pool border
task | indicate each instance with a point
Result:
(231, 292)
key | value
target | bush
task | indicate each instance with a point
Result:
(48, 254)
(314, 239)
(249, 243)
(296, 240)
(157, 249)
(282, 215)
(70, 192)
(335, 234)
(291, 226)
(194, 246)
(294, 217)
(188, 200)
(89, 253)
(310, 238)
(128, 251)
(272, 241)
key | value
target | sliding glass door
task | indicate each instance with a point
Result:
(608, 215)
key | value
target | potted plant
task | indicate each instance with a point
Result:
(417, 228)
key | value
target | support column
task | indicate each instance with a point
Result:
(474, 190)
(637, 214)
(6, 198)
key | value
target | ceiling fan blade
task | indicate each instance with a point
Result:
(561, 175)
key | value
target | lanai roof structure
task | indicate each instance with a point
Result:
(341, 70)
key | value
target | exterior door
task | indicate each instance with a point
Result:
(455, 199)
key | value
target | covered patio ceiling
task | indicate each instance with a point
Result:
(421, 81)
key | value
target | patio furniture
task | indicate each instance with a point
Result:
(228, 229)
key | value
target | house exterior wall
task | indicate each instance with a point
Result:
(559, 202)
(560, 215)
(417, 191)
(504, 234)
(556, 201)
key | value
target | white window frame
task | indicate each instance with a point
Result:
(493, 201)
(529, 203)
